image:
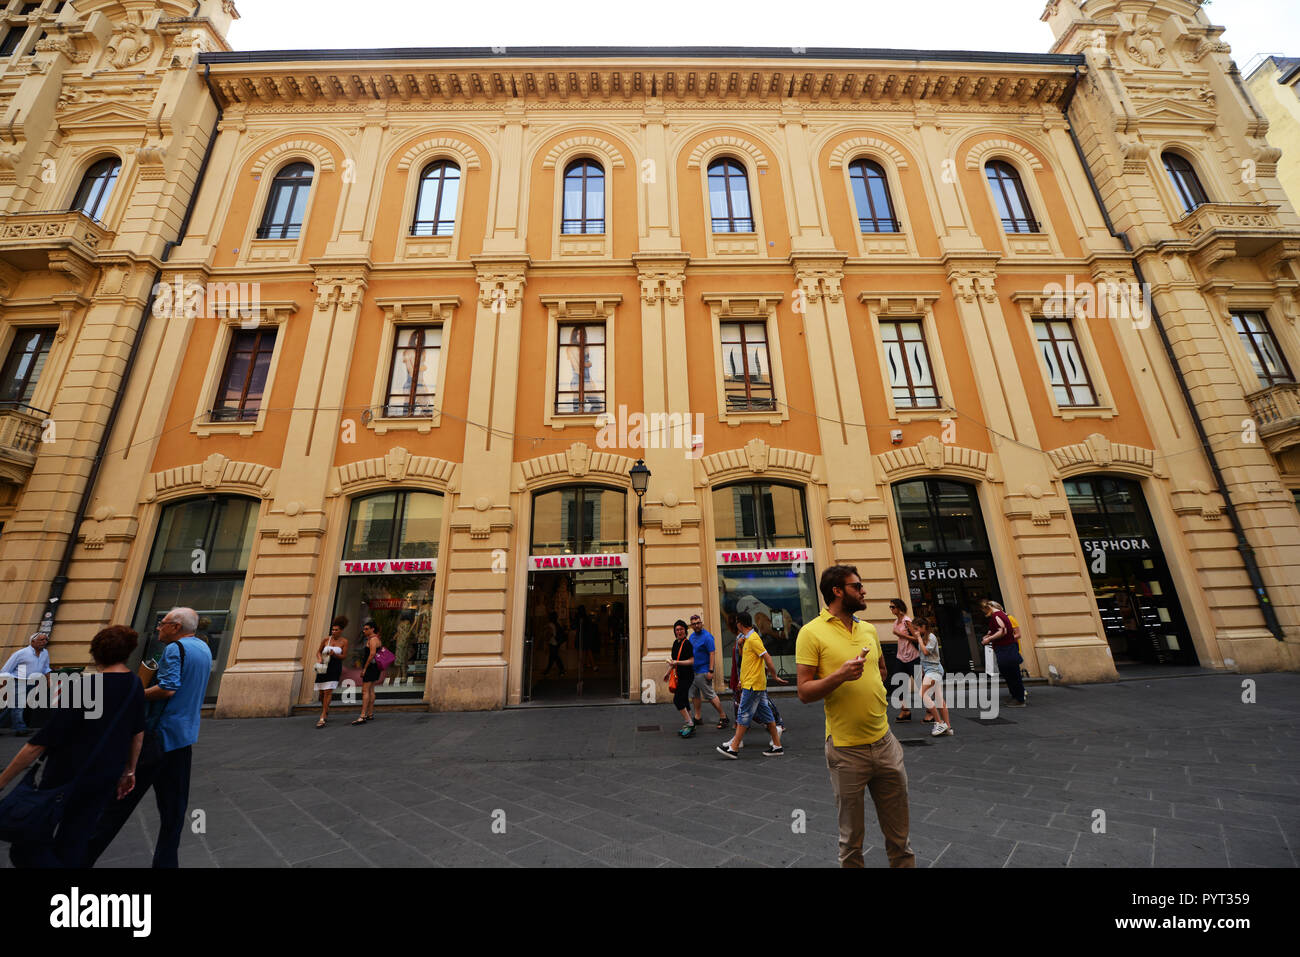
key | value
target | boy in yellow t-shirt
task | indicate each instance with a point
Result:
(755, 665)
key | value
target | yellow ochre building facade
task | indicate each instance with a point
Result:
(385, 334)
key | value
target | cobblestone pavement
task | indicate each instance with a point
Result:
(1186, 773)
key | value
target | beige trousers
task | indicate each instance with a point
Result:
(878, 767)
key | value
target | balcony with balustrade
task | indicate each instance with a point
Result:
(21, 430)
(1276, 411)
(60, 241)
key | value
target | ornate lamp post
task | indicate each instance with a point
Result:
(640, 476)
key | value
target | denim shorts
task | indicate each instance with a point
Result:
(753, 706)
(929, 668)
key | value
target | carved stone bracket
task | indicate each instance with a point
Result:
(969, 283)
(1198, 499)
(343, 289)
(819, 278)
(500, 288)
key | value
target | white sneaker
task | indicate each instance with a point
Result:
(939, 729)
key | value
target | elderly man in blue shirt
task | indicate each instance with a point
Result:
(24, 666)
(183, 673)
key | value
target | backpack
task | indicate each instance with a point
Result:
(733, 682)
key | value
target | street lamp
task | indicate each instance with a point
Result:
(640, 476)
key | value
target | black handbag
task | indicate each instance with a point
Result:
(151, 751)
(29, 814)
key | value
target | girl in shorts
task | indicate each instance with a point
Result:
(931, 674)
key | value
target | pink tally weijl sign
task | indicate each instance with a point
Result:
(391, 566)
(769, 556)
(545, 563)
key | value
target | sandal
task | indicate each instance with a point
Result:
(904, 715)
(320, 723)
(370, 717)
(360, 720)
(723, 722)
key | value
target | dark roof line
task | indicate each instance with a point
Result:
(550, 52)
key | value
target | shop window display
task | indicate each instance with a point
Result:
(387, 575)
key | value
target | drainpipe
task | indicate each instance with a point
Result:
(1244, 547)
(60, 581)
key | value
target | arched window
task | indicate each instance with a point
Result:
(729, 197)
(96, 187)
(584, 198)
(435, 208)
(759, 515)
(396, 525)
(579, 520)
(1009, 195)
(199, 560)
(871, 195)
(286, 206)
(1187, 184)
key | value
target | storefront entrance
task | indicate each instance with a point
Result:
(576, 642)
(576, 636)
(949, 566)
(1130, 579)
(199, 559)
(765, 568)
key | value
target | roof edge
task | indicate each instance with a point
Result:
(548, 52)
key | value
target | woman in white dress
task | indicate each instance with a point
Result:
(331, 653)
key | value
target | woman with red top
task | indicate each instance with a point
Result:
(1005, 648)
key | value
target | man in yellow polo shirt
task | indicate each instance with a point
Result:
(840, 661)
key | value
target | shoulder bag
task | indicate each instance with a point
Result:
(151, 751)
(31, 815)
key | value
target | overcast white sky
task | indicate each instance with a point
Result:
(1253, 26)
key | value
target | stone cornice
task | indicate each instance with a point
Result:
(563, 79)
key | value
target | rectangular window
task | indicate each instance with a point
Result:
(580, 369)
(746, 367)
(1065, 366)
(414, 374)
(910, 377)
(12, 38)
(23, 365)
(243, 380)
(1265, 355)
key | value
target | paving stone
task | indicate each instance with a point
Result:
(1038, 855)
(345, 857)
(1185, 774)
(1036, 834)
(547, 854)
(619, 854)
(961, 855)
(1247, 846)
(1189, 850)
